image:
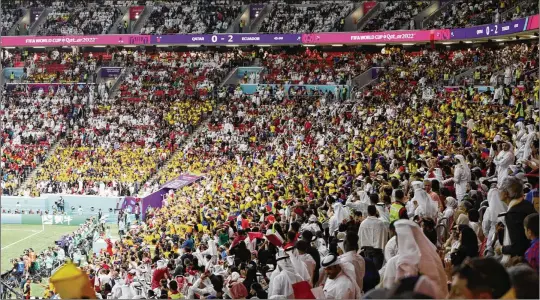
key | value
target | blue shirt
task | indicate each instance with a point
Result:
(531, 255)
(20, 267)
(188, 243)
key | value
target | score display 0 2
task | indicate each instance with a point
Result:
(224, 39)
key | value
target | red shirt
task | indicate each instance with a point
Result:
(245, 224)
(158, 275)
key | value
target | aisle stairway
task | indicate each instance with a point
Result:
(150, 182)
(36, 26)
(255, 24)
(138, 25)
(30, 177)
(373, 13)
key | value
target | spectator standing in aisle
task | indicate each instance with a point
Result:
(121, 228)
(372, 237)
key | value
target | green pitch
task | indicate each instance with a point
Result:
(17, 237)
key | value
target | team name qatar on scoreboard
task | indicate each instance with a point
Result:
(198, 39)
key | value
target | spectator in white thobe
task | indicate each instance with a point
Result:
(283, 278)
(352, 257)
(302, 246)
(503, 161)
(491, 215)
(340, 282)
(372, 232)
(416, 255)
(202, 286)
(462, 176)
(426, 206)
(340, 213)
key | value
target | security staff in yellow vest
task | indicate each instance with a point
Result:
(12, 77)
(507, 92)
(446, 77)
(125, 27)
(520, 109)
(518, 76)
(477, 76)
(397, 209)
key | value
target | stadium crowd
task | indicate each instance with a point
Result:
(393, 194)
(471, 13)
(36, 116)
(396, 16)
(119, 141)
(200, 16)
(311, 68)
(325, 180)
(68, 19)
(521, 10)
(421, 185)
(327, 16)
(10, 15)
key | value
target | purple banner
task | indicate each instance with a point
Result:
(255, 10)
(227, 39)
(128, 203)
(489, 30)
(154, 200)
(181, 181)
(110, 72)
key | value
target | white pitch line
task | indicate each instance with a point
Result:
(22, 239)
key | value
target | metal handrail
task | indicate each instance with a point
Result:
(7, 292)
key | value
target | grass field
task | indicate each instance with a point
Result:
(17, 237)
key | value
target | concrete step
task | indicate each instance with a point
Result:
(36, 26)
(419, 18)
(143, 18)
(234, 27)
(124, 15)
(372, 13)
(435, 14)
(255, 24)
